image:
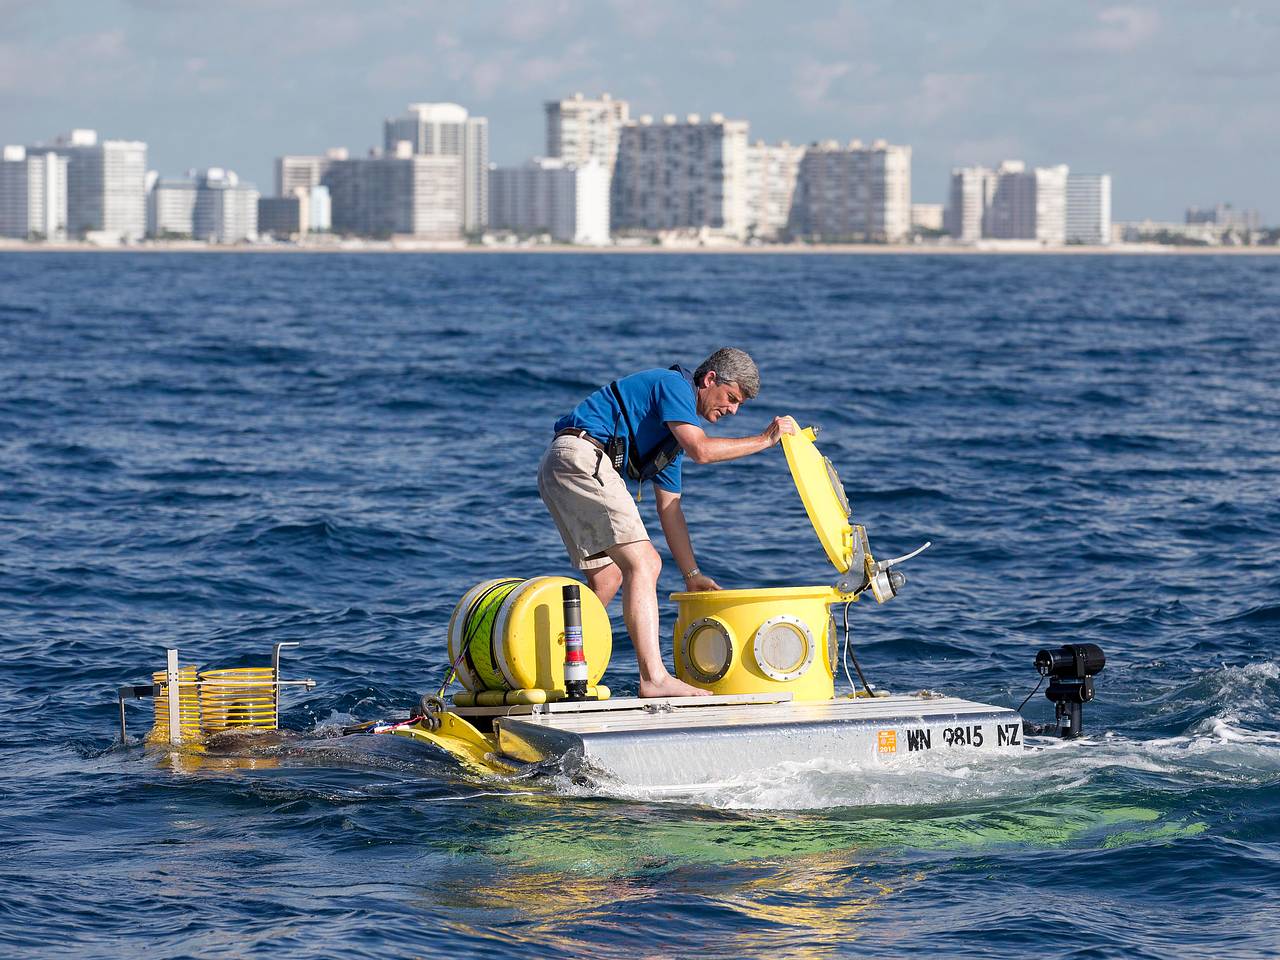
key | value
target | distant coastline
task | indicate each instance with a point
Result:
(869, 249)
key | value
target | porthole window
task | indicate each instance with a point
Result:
(784, 648)
(708, 650)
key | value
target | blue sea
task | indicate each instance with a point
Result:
(222, 452)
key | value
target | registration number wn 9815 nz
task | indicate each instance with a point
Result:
(961, 735)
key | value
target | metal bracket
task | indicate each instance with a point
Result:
(173, 681)
(275, 669)
(133, 692)
(659, 707)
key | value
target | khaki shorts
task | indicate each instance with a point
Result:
(589, 502)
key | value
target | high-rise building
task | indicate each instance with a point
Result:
(106, 190)
(1029, 204)
(406, 194)
(1051, 204)
(213, 206)
(33, 195)
(320, 209)
(226, 209)
(304, 171)
(681, 175)
(171, 207)
(568, 201)
(770, 177)
(854, 192)
(1012, 213)
(581, 130)
(1089, 209)
(971, 191)
(445, 129)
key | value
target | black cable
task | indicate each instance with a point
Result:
(849, 652)
(1031, 694)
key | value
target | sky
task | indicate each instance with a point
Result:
(1179, 100)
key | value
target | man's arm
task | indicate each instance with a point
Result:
(676, 530)
(700, 448)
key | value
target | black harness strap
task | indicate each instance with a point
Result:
(645, 467)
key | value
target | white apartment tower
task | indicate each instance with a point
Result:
(1051, 204)
(296, 171)
(547, 194)
(106, 188)
(682, 175)
(406, 194)
(171, 208)
(1029, 204)
(854, 193)
(581, 130)
(971, 191)
(771, 173)
(213, 206)
(319, 209)
(445, 130)
(33, 195)
(226, 210)
(1089, 209)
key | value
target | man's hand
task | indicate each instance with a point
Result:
(700, 581)
(780, 425)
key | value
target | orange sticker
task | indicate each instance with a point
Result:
(887, 741)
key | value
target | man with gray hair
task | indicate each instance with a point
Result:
(642, 427)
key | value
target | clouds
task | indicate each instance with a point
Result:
(70, 63)
(1120, 29)
(485, 73)
(811, 82)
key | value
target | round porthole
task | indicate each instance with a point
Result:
(784, 648)
(708, 650)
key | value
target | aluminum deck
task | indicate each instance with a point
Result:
(688, 741)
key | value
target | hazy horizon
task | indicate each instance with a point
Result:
(1174, 100)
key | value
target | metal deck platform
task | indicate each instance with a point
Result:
(693, 741)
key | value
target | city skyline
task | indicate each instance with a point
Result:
(1104, 87)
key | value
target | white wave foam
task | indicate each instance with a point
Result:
(1248, 689)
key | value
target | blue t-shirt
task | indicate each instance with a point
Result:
(654, 398)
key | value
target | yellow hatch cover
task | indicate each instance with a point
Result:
(823, 496)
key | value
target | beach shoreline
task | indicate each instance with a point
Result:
(869, 249)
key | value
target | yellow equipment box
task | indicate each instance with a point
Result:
(784, 639)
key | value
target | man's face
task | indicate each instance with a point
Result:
(718, 398)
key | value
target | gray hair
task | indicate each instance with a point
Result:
(730, 363)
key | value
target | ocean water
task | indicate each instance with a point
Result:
(222, 452)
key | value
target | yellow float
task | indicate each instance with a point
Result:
(507, 646)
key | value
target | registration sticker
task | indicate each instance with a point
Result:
(887, 741)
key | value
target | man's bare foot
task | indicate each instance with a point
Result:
(669, 686)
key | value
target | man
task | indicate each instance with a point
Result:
(646, 423)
